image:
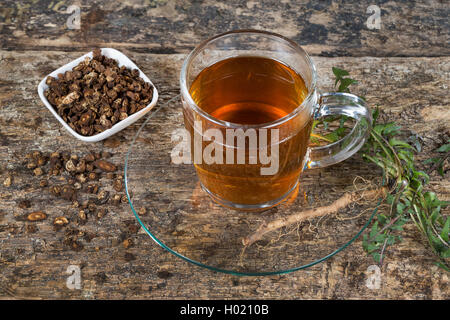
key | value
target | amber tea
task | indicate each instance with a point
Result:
(259, 91)
(250, 90)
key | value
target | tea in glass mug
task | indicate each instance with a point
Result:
(249, 101)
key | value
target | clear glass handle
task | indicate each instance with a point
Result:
(347, 104)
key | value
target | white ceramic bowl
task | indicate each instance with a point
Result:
(122, 60)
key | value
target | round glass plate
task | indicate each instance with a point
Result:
(178, 215)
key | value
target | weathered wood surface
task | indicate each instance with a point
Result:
(327, 28)
(412, 91)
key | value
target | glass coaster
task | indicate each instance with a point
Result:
(169, 203)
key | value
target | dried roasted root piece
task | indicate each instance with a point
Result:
(97, 94)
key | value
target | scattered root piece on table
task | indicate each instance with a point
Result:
(334, 207)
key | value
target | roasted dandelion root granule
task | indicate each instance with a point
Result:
(97, 94)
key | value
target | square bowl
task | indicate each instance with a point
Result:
(122, 60)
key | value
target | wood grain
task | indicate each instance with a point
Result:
(326, 28)
(412, 91)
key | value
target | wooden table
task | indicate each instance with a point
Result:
(403, 67)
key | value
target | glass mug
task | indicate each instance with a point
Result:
(249, 99)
